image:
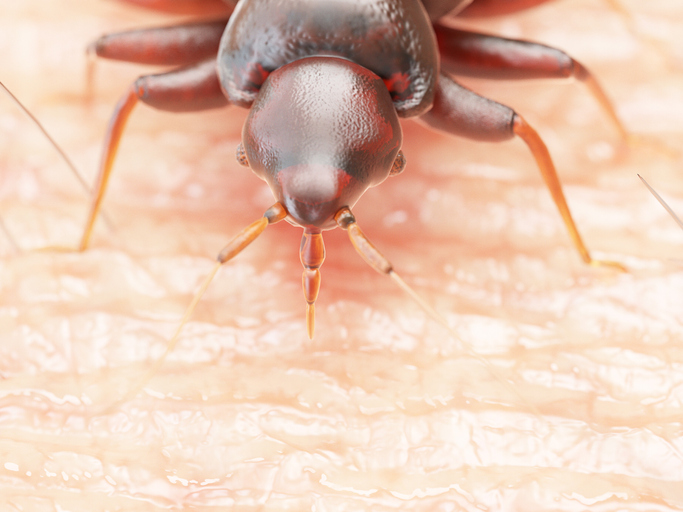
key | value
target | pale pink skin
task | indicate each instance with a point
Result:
(382, 410)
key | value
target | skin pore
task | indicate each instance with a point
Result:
(384, 409)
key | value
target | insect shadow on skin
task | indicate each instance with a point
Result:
(397, 247)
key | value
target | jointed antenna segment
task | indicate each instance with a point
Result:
(586, 77)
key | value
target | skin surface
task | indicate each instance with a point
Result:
(384, 409)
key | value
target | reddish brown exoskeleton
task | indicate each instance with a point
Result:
(326, 83)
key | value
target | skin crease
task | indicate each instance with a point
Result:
(383, 410)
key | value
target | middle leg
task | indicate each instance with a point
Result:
(188, 89)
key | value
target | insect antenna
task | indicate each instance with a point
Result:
(346, 220)
(662, 202)
(274, 214)
(62, 154)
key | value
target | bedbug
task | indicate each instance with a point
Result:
(524, 330)
(325, 85)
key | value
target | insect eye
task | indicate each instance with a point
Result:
(241, 155)
(399, 164)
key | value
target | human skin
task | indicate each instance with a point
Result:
(384, 409)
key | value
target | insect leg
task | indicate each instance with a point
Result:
(365, 248)
(459, 111)
(177, 45)
(65, 158)
(661, 201)
(498, 7)
(485, 56)
(187, 89)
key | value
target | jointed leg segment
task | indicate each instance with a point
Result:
(191, 88)
(545, 164)
(478, 55)
(199, 7)
(459, 111)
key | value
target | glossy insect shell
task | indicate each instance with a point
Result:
(393, 39)
(321, 131)
(325, 82)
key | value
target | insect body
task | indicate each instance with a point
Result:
(326, 83)
(376, 447)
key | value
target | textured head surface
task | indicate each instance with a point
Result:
(321, 131)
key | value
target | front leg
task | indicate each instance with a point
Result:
(188, 89)
(461, 112)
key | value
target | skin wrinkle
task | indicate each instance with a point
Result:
(382, 410)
